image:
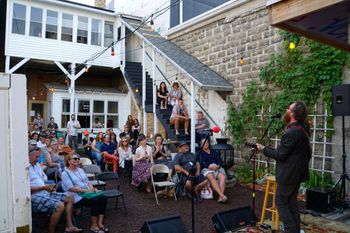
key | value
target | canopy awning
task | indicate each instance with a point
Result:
(324, 20)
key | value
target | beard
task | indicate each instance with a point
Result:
(286, 118)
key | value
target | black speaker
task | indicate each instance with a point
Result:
(341, 100)
(320, 200)
(172, 224)
(233, 219)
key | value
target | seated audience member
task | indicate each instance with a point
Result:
(141, 172)
(161, 153)
(47, 148)
(35, 136)
(124, 151)
(87, 143)
(75, 182)
(179, 115)
(55, 162)
(61, 143)
(35, 129)
(136, 129)
(126, 132)
(96, 148)
(162, 96)
(130, 121)
(44, 198)
(42, 141)
(210, 163)
(175, 94)
(52, 125)
(109, 153)
(97, 123)
(201, 125)
(183, 162)
(113, 138)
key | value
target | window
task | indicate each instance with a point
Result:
(19, 19)
(82, 35)
(36, 18)
(108, 34)
(95, 32)
(67, 27)
(98, 113)
(84, 113)
(51, 24)
(65, 112)
(112, 114)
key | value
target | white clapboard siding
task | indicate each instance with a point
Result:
(57, 50)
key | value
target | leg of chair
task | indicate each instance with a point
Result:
(155, 193)
(124, 205)
(174, 187)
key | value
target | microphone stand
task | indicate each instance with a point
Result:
(192, 172)
(253, 158)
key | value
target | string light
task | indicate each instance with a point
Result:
(86, 69)
(112, 51)
(291, 46)
(241, 61)
(33, 98)
(137, 90)
(151, 22)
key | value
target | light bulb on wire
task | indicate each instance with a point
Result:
(86, 69)
(112, 51)
(151, 22)
(241, 61)
(291, 46)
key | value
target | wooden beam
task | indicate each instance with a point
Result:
(290, 9)
(18, 65)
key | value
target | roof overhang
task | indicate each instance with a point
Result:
(326, 21)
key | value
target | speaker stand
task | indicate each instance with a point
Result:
(344, 176)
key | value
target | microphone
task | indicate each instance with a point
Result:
(214, 129)
(276, 115)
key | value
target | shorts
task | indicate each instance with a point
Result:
(47, 203)
(206, 171)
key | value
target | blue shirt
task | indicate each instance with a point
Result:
(110, 148)
(207, 159)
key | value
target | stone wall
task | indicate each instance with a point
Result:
(243, 32)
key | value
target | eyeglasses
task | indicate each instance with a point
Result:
(124, 141)
(76, 158)
(34, 149)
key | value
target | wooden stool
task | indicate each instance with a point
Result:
(270, 190)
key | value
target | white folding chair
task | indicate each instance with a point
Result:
(85, 161)
(161, 168)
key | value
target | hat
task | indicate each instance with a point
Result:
(32, 142)
(182, 144)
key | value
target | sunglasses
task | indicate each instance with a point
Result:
(34, 149)
(76, 158)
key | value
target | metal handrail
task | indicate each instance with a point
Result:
(183, 86)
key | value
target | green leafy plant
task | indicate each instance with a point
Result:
(317, 180)
(305, 73)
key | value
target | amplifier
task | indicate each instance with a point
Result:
(320, 200)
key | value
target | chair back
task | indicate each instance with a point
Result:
(159, 168)
(92, 169)
(107, 176)
(85, 161)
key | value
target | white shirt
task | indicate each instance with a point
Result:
(40, 144)
(75, 178)
(141, 152)
(73, 131)
(124, 155)
(37, 179)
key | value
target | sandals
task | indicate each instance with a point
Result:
(73, 229)
(104, 229)
(223, 200)
(96, 230)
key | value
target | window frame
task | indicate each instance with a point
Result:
(24, 19)
(54, 34)
(64, 35)
(98, 33)
(31, 22)
(65, 113)
(80, 41)
(105, 34)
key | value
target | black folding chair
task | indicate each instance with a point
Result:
(112, 193)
